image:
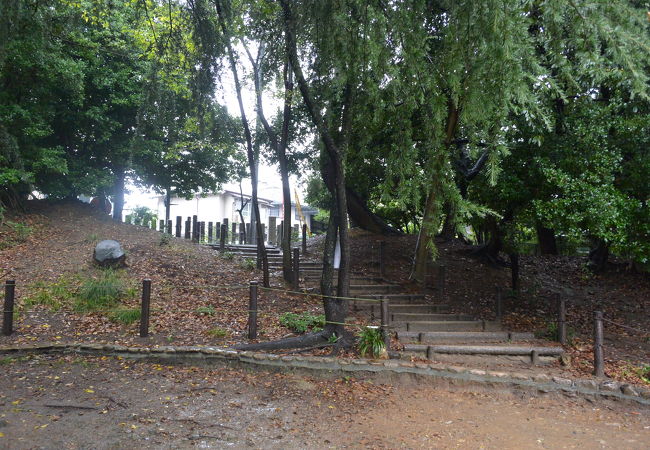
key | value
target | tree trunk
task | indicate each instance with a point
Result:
(336, 154)
(118, 194)
(427, 233)
(514, 270)
(546, 240)
(449, 226)
(252, 161)
(598, 256)
(168, 205)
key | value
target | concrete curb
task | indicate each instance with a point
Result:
(329, 366)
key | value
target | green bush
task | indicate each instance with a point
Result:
(227, 255)
(101, 293)
(249, 263)
(141, 215)
(125, 316)
(300, 323)
(371, 341)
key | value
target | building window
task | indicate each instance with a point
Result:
(247, 209)
(274, 211)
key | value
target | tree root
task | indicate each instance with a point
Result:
(306, 340)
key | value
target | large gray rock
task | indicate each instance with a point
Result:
(109, 253)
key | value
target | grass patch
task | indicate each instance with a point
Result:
(125, 316)
(644, 373)
(103, 292)
(218, 332)
(227, 255)
(53, 295)
(205, 310)
(371, 341)
(300, 323)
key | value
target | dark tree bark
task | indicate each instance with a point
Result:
(546, 240)
(240, 211)
(335, 151)
(168, 205)
(118, 194)
(514, 270)
(598, 256)
(252, 161)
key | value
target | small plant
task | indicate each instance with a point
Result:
(371, 341)
(333, 339)
(165, 239)
(249, 264)
(227, 255)
(300, 323)
(644, 373)
(92, 237)
(125, 316)
(218, 332)
(205, 310)
(101, 293)
(53, 295)
(552, 333)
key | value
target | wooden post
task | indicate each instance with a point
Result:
(195, 228)
(161, 225)
(169, 227)
(561, 321)
(499, 303)
(385, 322)
(201, 232)
(304, 238)
(179, 226)
(225, 222)
(144, 308)
(252, 311)
(534, 357)
(209, 232)
(188, 225)
(8, 311)
(296, 268)
(224, 233)
(273, 230)
(235, 234)
(217, 231)
(242, 234)
(599, 362)
(382, 250)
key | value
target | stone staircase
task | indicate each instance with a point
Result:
(425, 328)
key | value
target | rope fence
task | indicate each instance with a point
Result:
(10, 311)
(561, 321)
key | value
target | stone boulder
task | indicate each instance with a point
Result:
(109, 253)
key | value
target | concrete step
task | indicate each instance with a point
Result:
(428, 317)
(363, 289)
(433, 337)
(485, 350)
(394, 298)
(448, 325)
(403, 307)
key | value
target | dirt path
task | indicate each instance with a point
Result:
(74, 402)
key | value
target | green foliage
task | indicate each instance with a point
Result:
(53, 295)
(370, 341)
(300, 323)
(249, 263)
(644, 373)
(552, 333)
(206, 310)
(103, 292)
(227, 255)
(218, 332)
(165, 239)
(125, 316)
(141, 215)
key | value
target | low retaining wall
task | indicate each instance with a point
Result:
(329, 366)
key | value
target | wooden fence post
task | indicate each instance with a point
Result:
(252, 311)
(210, 232)
(224, 233)
(188, 225)
(179, 225)
(201, 232)
(195, 228)
(161, 225)
(8, 311)
(561, 321)
(169, 227)
(296, 268)
(145, 308)
(599, 363)
(385, 332)
(304, 238)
